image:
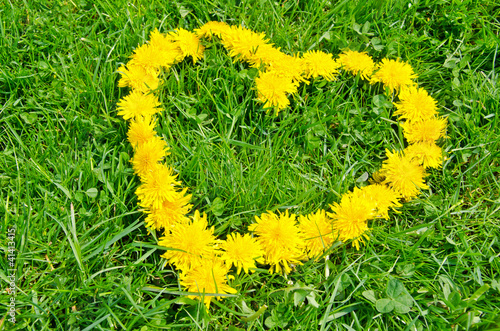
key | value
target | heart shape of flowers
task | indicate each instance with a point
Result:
(279, 240)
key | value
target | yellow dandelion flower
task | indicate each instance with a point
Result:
(272, 90)
(318, 63)
(168, 50)
(377, 177)
(415, 104)
(139, 78)
(189, 242)
(213, 28)
(241, 251)
(147, 56)
(188, 43)
(170, 213)
(428, 130)
(394, 74)
(137, 104)
(141, 130)
(357, 63)
(264, 54)
(317, 231)
(280, 239)
(288, 66)
(148, 155)
(427, 154)
(158, 185)
(242, 42)
(383, 197)
(207, 278)
(404, 175)
(350, 217)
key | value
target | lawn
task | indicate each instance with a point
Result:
(76, 254)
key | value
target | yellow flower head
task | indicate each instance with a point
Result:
(243, 42)
(404, 175)
(415, 104)
(170, 213)
(317, 231)
(427, 154)
(207, 278)
(213, 28)
(394, 74)
(273, 90)
(383, 197)
(188, 43)
(147, 56)
(280, 239)
(318, 63)
(288, 66)
(357, 63)
(350, 217)
(139, 78)
(148, 155)
(168, 50)
(428, 130)
(189, 243)
(141, 130)
(137, 104)
(241, 251)
(158, 185)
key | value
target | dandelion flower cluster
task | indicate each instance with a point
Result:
(280, 240)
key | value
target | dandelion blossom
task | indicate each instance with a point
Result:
(403, 174)
(358, 63)
(188, 43)
(157, 186)
(280, 239)
(415, 104)
(428, 130)
(287, 66)
(137, 104)
(317, 231)
(168, 50)
(394, 74)
(170, 213)
(383, 197)
(207, 278)
(427, 154)
(148, 56)
(242, 42)
(148, 155)
(318, 63)
(350, 217)
(213, 28)
(139, 78)
(190, 242)
(141, 130)
(272, 90)
(241, 251)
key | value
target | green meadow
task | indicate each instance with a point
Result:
(75, 251)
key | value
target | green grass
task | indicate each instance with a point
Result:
(84, 259)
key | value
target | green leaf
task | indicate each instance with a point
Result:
(366, 28)
(311, 299)
(454, 299)
(370, 295)
(479, 292)
(401, 308)
(405, 299)
(217, 207)
(92, 192)
(256, 315)
(394, 288)
(384, 305)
